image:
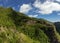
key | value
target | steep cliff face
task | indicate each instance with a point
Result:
(16, 27)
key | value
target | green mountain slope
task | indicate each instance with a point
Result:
(16, 27)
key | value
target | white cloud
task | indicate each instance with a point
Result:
(58, 0)
(47, 7)
(25, 8)
(32, 15)
(44, 8)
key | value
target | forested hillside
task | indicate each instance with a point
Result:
(16, 27)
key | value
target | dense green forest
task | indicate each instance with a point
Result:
(16, 27)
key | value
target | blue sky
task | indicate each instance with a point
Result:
(47, 9)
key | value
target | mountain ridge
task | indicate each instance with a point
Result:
(16, 27)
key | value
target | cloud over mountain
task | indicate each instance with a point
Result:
(47, 7)
(25, 8)
(32, 15)
(44, 8)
